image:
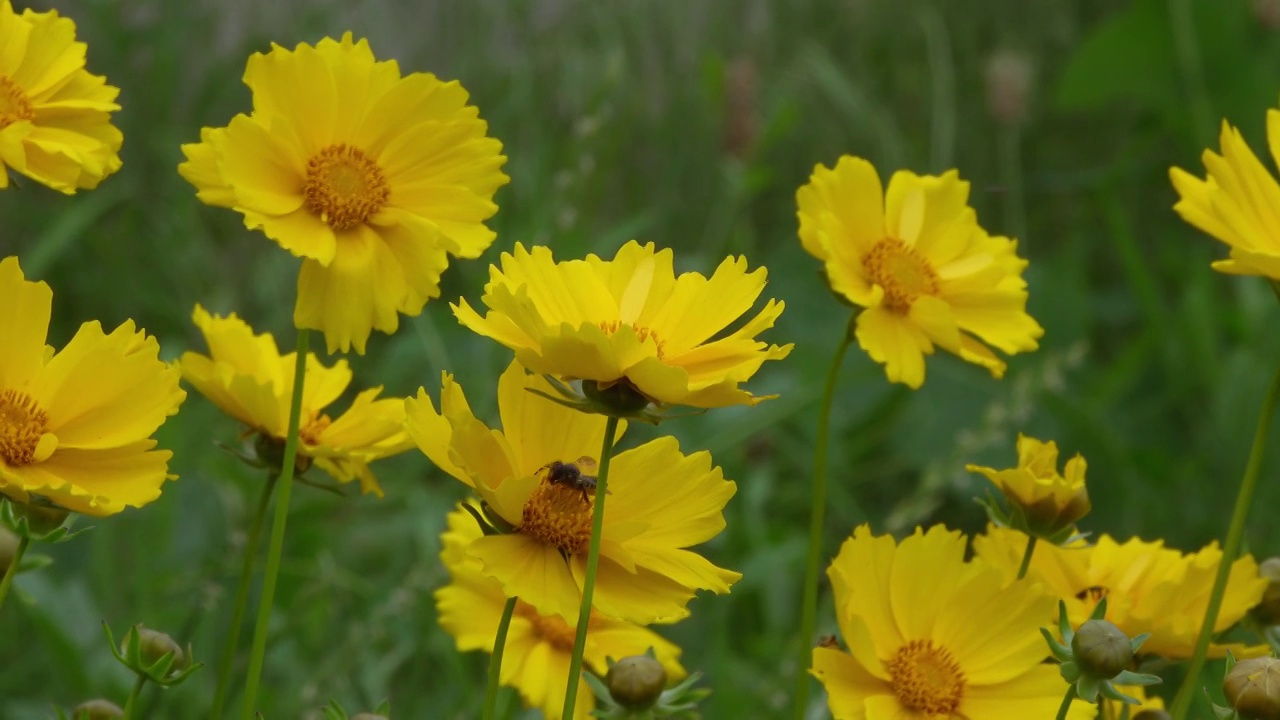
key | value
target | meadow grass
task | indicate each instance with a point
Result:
(689, 125)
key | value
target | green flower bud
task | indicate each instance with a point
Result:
(1102, 649)
(1153, 715)
(1253, 688)
(154, 645)
(636, 682)
(1267, 611)
(98, 709)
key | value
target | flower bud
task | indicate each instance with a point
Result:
(1253, 688)
(1267, 611)
(98, 709)
(1008, 75)
(636, 682)
(153, 645)
(1102, 649)
(1267, 13)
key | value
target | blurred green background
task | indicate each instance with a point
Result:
(690, 125)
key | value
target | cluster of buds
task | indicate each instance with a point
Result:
(635, 688)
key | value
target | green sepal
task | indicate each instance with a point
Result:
(14, 519)
(159, 672)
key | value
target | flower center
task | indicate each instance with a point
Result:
(642, 333)
(22, 425)
(14, 105)
(902, 271)
(344, 186)
(552, 629)
(310, 433)
(926, 678)
(556, 515)
(1093, 595)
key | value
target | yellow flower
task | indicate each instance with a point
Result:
(247, 378)
(539, 647)
(368, 176)
(55, 117)
(1236, 202)
(931, 636)
(660, 502)
(630, 320)
(76, 425)
(1046, 502)
(1112, 710)
(918, 262)
(1149, 588)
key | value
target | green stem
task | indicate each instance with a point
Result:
(1230, 550)
(818, 502)
(133, 697)
(242, 599)
(495, 660)
(1026, 556)
(589, 580)
(12, 570)
(1066, 702)
(277, 533)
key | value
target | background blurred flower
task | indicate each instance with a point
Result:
(931, 636)
(918, 262)
(76, 425)
(660, 503)
(55, 117)
(536, 660)
(247, 378)
(370, 177)
(1045, 503)
(1149, 588)
(630, 319)
(1236, 202)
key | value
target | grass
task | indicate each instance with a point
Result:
(690, 125)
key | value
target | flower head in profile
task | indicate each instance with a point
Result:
(372, 178)
(1149, 588)
(661, 502)
(1236, 202)
(917, 262)
(55, 116)
(76, 424)
(932, 636)
(1042, 501)
(630, 320)
(539, 646)
(245, 375)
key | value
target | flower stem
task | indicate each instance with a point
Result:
(130, 705)
(809, 606)
(277, 532)
(1066, 702)
(495, 660)
(242, 599)
(589, 579)
(1230, 550)
(1026, 556)
(12, 570)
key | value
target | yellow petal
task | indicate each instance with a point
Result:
(24, 322)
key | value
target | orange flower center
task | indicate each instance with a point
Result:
(901, 271)
(642, 333)
(926, 678)
(1093, 595)
(557, 515)
(14, 104)
(344, 186)
(551, 629)
(22, 424)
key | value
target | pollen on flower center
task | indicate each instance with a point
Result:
(344, 186)
(22, 424)
(902, 271)
(552, 629)
(1093, 594)
(642, 333)
(14, 105)
(556, 515)
(926, 678)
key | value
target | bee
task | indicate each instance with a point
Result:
(573, 475)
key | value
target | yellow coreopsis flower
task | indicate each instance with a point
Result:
(55, 116)
(372, 178)
(660, 503)
(630, 320)
(76, 424)
(539, 647)
(1046, 503)
(1236, 202)
(919, 264)
(1149, 588)
(247, 378)
(932, 636)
